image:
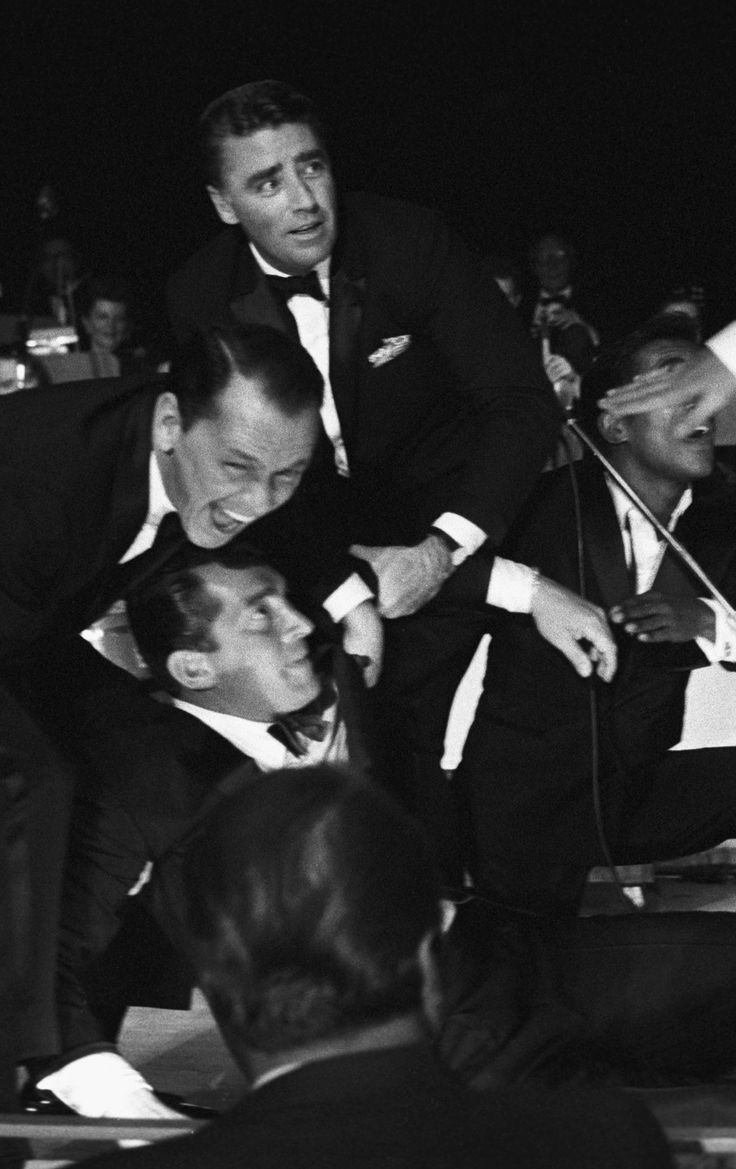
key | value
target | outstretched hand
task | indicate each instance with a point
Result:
(700, 387)
(576, 627)
(656, 617)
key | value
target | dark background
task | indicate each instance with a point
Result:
(613, 122)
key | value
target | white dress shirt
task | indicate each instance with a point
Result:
(644, 549)
(723, 344)
(511, 585)
(159, 505)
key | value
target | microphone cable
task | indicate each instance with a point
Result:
(593, 706)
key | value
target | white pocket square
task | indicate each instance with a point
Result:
(389, 348)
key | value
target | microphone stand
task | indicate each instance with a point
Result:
(678, 548)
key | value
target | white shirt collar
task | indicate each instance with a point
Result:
(624, 505)
(247, 735)
(159, 503)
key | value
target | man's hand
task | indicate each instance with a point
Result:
(575, 627)
(407, 577)
(362, 638)
(564, 379)
(703, 384)
(655, 617)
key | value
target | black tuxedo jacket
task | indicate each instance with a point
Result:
(399, 1108)
(149, 778)
(459, 420)
(533, 718)
(74, 472)
(574, 342)
(74, 483)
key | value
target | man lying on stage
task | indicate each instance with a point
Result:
(221, 636)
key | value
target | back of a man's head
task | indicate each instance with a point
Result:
(246, 109)
(207, 359)
(310, 895)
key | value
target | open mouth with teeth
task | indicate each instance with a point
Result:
(698, 433)
(226, 520)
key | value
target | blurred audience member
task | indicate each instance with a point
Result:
(687, 300)
(54, 282)
(20, 371)
(508, 277)
(555, 316)
(107, 307)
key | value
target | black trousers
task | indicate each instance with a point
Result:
(425, 658)
(33, 838)
(639, 1000)
(681, 802)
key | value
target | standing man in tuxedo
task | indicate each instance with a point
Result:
(551, 771)
(241, 686)
(437, 416)
(555, 314)
(99, 482)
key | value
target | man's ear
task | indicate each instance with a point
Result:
(222, 206)
(192, 669)
(167, 425)
(614, 430)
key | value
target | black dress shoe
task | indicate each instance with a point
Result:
(42, 1102)
(179, 1104)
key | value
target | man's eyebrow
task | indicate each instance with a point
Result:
(274, 588)
(269, 172)
(260, 594)
(308, 155)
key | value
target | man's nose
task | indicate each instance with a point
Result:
(257, 499)
(292, 625)
(301, 195)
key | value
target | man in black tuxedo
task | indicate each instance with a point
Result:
(233, 663)
(88, 472)
(313, 903)
(548, 748)
(437, 416)
(554, 313)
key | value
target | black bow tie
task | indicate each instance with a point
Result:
(554, 297)
(309, 722)
(307, 285)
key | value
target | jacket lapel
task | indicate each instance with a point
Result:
(706, 531)
(602, 539)
(251, 301)
(347, 296)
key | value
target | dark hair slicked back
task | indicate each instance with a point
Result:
(172, 609)
(204, 363)
(245, 110)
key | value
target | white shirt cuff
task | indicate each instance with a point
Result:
(511, 586)
(347, 596)
(464, 532)
(723, 345)
(723, 647)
